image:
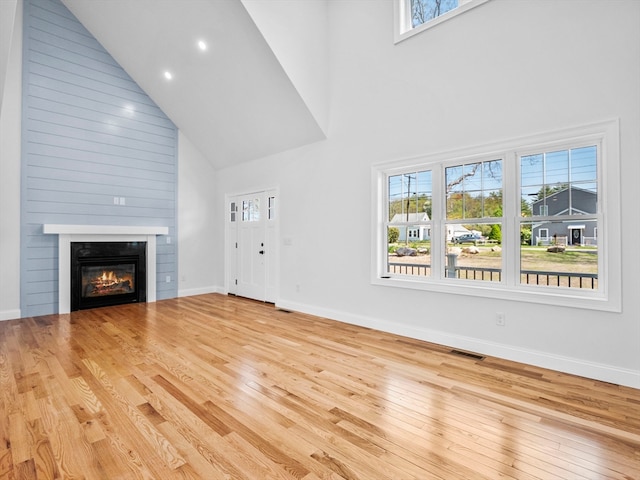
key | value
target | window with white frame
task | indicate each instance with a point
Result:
(251, 210)
(407, 222)
(414, 16)
(473, 195)
(471, 221)
(542, 236)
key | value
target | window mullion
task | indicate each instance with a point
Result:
(438, 224)
(380, 259)
(510, 219)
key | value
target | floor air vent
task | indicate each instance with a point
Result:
(475, 356)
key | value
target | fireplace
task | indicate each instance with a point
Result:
(107, 273)
(68, 234)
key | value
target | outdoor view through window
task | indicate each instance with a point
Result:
(552, 238)
(559, 225)
(424, 10)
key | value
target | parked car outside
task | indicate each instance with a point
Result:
(467, 238)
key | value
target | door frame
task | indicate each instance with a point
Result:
(272, 269)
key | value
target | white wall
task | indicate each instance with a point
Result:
(196, 226)
(7, 17)
(297, 34)
(10, 176)
(503, 70)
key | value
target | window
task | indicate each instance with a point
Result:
(562, 187)
(526, 223)
(542, 238)
(473, 195)
(408, 222)
(423, 11)
(251, 210)
(414, 16)
(232, 211)
(272, 208)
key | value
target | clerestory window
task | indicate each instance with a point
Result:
(414, 16)
(534, 219)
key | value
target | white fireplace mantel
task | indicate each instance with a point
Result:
(101, 233)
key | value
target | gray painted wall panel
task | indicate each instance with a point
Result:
(91, 199)
(69, 208)
(65, 171)
(89, 122)
(42, 287)
(41, 78)
(55, 157)
(93, 118)
(46, 277)
(108, 191)
(57, 130)
(89, 134)
(92, 151)
(56, 75)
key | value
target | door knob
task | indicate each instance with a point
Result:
(261, 252)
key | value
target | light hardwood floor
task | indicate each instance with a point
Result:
(216, 387)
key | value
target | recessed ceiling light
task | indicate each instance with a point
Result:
(167, 75)
(202, 46)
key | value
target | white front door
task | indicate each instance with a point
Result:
(251, 248)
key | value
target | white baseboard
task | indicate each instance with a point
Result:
(189, 292)
(9, 314)
(596, 371)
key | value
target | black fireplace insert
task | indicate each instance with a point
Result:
(107, 273)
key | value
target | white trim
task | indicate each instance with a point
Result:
(560, 363)
(101, 233)
(10, 314)
(402, 28)
(103, 230)
(190, 292)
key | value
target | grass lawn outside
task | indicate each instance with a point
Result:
(578, 260)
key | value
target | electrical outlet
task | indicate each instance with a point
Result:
(501, 319)
(168, 279)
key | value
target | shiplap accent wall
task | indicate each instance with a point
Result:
(90, 137)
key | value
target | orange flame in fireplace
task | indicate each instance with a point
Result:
(109, 283)
(107, 279)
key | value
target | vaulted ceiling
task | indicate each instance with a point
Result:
(234, 101)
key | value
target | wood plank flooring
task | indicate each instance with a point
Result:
(215, 387)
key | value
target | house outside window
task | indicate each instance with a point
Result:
(565, 182)
(477, 225)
